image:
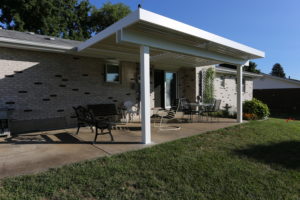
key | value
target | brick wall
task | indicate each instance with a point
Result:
(37, 85)
(228, 93)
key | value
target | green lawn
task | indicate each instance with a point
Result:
(257, 160)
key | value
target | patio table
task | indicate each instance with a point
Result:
(200, 106)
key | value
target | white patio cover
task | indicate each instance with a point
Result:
(145, 37)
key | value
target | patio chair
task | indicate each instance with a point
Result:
(188, 110)
(86, 117)
(213, 109)
(129, 110)
(166, 116)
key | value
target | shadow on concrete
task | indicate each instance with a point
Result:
(58, 138)
(286, 154)
(128, 128)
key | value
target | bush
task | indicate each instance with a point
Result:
(255, 109)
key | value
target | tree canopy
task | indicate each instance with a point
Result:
(277, 70)
(70, 19)
(252, 68)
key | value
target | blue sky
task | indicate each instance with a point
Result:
(272, 26)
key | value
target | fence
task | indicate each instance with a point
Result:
(280, 101)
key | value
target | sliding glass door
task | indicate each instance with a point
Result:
(170, 89)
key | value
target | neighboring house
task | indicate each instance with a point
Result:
(42, 77)
(267, 81)
(282, 95)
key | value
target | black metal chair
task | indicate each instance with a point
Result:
(187, 109)
(213, 109)
(85, 117)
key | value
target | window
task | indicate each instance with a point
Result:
(222, 81)
(112, 74)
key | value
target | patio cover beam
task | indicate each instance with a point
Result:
(138, 38)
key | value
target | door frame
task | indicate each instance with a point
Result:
(165, 83)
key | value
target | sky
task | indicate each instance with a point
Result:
(272, 26)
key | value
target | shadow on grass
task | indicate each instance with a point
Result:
(285, 116)
(285, 154)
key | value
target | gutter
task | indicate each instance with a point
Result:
(36, 46)
(224, 70)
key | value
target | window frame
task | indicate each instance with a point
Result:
(106, 72)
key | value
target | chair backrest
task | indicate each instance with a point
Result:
(199, 99)
(83, 114)
(103, 109)
(130, 107)
(176, 107)
(170, 114)
(217, 105)
(185, 104)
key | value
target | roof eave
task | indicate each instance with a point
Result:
(22, 44)
(230, 71)
(282, 79)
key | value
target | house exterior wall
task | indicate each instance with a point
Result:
(228, 92)
(187, 83)
(267, 82)
(41, 88)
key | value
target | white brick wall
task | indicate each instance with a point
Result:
(228, 93)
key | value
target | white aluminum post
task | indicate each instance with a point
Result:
(145, 93)
(239, 93)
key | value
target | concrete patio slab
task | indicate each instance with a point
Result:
(36, 152)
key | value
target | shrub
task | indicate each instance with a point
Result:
(257, 108)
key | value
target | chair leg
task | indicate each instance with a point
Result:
(96, 135)
(78, 127)
(91, 127)
(111, 136)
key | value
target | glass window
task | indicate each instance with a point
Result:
(112, 73)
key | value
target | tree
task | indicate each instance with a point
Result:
(107, 15)
(277, 70)
(251, 68)
(70, 19)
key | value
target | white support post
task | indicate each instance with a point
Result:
(239, 93)
(145, 93)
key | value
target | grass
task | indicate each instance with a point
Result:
(257, 160)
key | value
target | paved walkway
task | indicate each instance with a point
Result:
(35, 152)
